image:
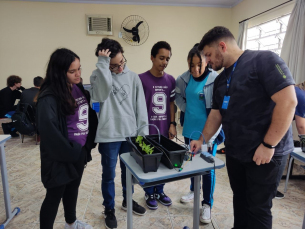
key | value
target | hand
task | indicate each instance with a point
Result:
(196, 145)
(172, 131)
(263, 155)
(104, 52)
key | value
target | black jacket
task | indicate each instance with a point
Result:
(28, 96)
(7, 100)
(57, 153)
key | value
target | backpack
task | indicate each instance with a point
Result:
(23, 119)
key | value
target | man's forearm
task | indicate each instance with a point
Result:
(212, 125)
(281, 120)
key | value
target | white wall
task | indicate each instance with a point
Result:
(31, 31)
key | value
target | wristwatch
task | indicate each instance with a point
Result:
(174, 123)
(268, 146)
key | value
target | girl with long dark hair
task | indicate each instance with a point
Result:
(67, 127)
(194, 90)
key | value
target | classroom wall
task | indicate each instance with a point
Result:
(31, 31)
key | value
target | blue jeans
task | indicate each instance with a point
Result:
(208, 180)
(154, 189)
(109, 152)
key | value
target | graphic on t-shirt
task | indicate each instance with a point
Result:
(159, 100)
(83, 118)
(121, 93)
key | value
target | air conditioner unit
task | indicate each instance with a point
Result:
(99, 24)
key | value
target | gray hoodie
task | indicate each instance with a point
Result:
(122, 103)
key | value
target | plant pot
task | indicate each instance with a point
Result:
(174, 152)
(148, 162)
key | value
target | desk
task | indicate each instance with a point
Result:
(7, 199)
(194, 168)
(298, 155)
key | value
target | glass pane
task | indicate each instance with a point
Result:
(268, 36)
(285, 19)
(252, 33)
(252, 45)
(270, 28)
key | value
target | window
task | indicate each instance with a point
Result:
(269, 35)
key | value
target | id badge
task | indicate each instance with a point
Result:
(225, 103)
(201, 96)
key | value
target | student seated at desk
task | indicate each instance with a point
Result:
(8, 97)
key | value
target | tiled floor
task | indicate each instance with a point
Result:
(27, 193)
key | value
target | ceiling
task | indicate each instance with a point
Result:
(200, 3)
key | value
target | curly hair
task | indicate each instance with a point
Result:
(12, 80)
(113, 46)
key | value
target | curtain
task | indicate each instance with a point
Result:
(293, 50)
(242, 35)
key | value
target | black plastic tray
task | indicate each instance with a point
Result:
(174, 151)
(148, 162)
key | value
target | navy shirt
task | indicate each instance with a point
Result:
(258, 75)
(300, 109)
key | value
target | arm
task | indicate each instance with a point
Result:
(180, 101)
(283, 112)
(101, 79)
(172, 128)
(211, 126)
(300, 123)
(141, 109)
(59, 148)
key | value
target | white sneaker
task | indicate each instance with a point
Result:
(187, 198)
(205, 216)
(78, 225)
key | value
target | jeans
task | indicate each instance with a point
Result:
(68, 193)
(253, 188)
(110, 152)
(208, 180)
(281, 170)
(154, 189)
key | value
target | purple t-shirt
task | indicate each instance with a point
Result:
(78, 123)
(159, 92)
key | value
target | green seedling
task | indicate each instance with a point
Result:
(146, 148)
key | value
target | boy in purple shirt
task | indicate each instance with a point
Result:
(159, 90)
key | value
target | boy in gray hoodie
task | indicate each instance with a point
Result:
(122, 111)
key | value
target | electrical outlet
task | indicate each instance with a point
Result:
(120, 35)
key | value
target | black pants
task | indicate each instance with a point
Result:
(68, 193)
(253, 188)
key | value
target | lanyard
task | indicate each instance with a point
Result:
(230, 77)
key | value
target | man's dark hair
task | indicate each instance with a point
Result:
(160, 45)
(38, 80)
(11, 80)
(113, 46)
(214, 35)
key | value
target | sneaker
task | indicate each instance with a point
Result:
(187, 198)
(205, 216)
(78, 225)
(110, 220)
(279, 195)
(151, 202)
(136, 208)
(163, 199)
